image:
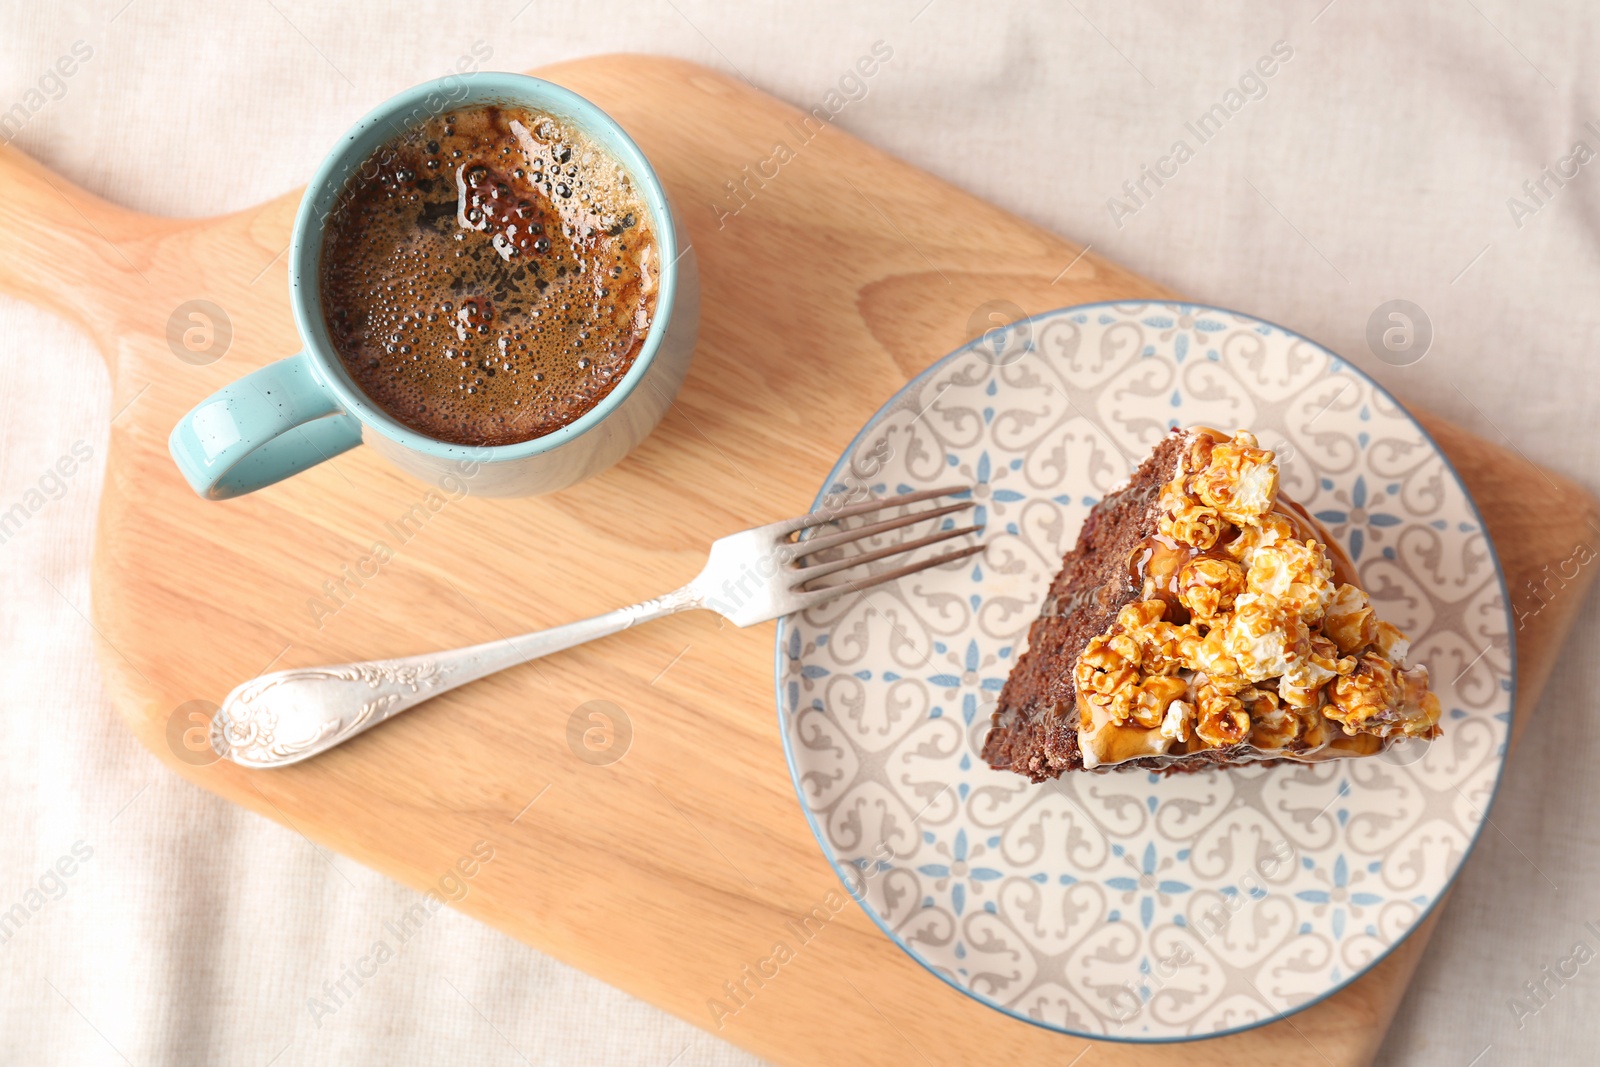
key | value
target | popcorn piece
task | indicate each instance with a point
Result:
(1296, 575)
(1419, 709)
(1367, 693)
(1350, 620)
(1160, 643)
(1271, 530)
(1186, 521)
(1149, 707)
(1380, 698)
(1106, 679)
(1210, 656)
(1176, 725)
(1132, 672)
(1391, 642)
(1221, 718)
(1240, 480)
(1265, 642)
(1300, 684)
(1325, 653)
(1140, 614)
(1208, 586)
(1163, 645)
(1271, 724)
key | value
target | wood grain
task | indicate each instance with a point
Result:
(665, 873)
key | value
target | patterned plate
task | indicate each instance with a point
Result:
(1127, 906)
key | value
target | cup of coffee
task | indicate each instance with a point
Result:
(488, 282)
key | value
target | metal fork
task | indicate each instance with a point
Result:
(751, 577)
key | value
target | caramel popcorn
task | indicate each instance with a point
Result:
(1208, 586)
(1272, 725)
(1349, 619)
(1108, 672)
(1378, 693)
(1106, 681)
(1140, 614)
(1160, 643)
(1296, 576)
(1271, 530)
(1365, 693)
(1187, 522)
(1154, 696)
(1273, 651)
(1240, 480)
(1301, 683)
(1391, 642)
(1175, 727)
(1220, 718)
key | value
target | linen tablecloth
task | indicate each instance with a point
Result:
(1437, 153)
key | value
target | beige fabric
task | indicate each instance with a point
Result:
(1377, 165)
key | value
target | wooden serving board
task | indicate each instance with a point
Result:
(668, 871)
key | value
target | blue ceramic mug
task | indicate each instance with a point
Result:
(297, 412)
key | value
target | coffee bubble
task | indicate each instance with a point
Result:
(438, 285)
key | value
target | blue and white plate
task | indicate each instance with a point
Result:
(1127, 906)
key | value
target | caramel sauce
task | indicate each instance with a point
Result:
(1267, 735)
(1118, 744)
(1114, 743)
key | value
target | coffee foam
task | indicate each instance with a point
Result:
(489, 276)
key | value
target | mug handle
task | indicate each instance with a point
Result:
(271, 423)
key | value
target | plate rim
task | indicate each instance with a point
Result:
(1426, 913)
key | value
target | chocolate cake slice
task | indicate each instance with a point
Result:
(1202, 619)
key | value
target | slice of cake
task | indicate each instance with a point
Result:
(1204, 618)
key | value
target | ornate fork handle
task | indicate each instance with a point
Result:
(749, 577)
(287, 716)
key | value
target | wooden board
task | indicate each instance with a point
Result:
(667, 872)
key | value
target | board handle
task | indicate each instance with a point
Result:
(66, 249)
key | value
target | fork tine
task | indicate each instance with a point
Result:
(818, 518)
(820, 570)
(811, 598)
(812, 545)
